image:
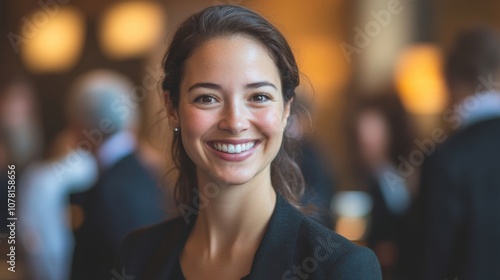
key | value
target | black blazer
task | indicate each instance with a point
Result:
(293, 247)
(125, 197)
(460, 205)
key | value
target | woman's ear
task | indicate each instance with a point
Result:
(172, 112)
(286, 112)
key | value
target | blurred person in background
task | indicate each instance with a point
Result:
(19, 117)
(44, 236)
(460, 187)
(44, 189)
(382, 133)
(318, 173)
(102, 109)
(21, 139)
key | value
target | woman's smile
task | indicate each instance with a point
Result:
(233, 150)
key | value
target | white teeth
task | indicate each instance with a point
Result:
(250, 145)
(233, 149)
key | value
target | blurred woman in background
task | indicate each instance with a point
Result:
(383, 133)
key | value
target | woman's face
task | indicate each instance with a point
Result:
(374, 137)
(231, 110)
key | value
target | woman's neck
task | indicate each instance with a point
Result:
(233, 216)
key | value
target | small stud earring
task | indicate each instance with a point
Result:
(176, 130)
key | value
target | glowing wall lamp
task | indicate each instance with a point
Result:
(53, 41)
(419, 79)
(131, 29)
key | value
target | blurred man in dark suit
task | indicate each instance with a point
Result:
(126, 195)
(460, 188)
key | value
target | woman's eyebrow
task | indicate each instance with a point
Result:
(204, 85)
(218, 87)
(260, 84)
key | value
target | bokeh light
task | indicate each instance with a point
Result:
(419, 79)
(54, 44)
(131, 29)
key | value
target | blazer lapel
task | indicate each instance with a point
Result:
(273, 257)
(276, 250)
(168, 253)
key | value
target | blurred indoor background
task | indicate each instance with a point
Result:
(348, 52)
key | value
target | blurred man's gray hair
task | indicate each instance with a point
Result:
(102, 99)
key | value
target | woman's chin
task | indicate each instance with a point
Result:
(227, 175)
(229, 178)
(230, 181)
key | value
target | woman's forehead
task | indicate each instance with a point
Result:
(231, 59)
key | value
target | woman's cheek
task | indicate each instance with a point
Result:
(196, 122)
(270, 120)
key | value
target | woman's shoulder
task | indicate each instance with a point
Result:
(300, 248)
(339, 257)
(156, 232)
(142, 246)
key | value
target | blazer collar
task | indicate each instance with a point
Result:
(276, 250)
(274, 255)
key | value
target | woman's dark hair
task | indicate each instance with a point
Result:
(228, 20)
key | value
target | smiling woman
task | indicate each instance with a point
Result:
(230, 96)
(229, 85)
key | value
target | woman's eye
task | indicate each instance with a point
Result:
(205, 99)
(260, 97)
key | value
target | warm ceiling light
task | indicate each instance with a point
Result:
(56, 44)
(419, 79)
(131, 29)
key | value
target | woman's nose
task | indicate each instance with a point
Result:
(234, 118)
